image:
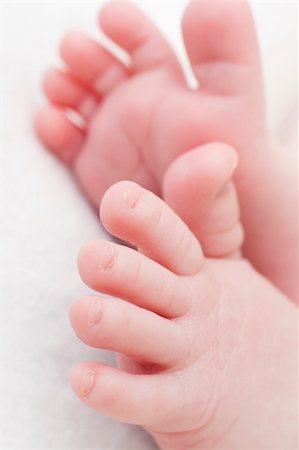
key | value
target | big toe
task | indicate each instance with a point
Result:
(198, 186)
(221, 43)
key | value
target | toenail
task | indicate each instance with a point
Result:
(106, 256)
(131, 196)
(95, 312)
(87, 382)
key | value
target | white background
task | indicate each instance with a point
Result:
(45, 220)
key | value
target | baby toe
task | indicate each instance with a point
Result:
(198, 186)
(91, 63)
(152, 400)
(58, 133)
(125, 273)
(129, 28)
(138, 216)
(125, 328)
(66, 92)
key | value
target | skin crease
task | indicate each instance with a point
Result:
(225, 386)
(148, 112)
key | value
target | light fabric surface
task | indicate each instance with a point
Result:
(45, 220)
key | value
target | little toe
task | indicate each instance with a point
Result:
(198, 186)
(148, 400)
(64, 91)
(59, 134)
(92, 63)
(138, 216)
(125, 273)
(134, 32)
(125, 328)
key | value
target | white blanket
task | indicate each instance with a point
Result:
(45, 220)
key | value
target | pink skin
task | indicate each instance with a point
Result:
(139, 119)
(207, 346)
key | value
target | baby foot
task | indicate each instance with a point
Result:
(138, 119)
(116, 103)
(196, 366)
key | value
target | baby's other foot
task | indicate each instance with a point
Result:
(116, 103)
(196, 366)
(137, 119)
